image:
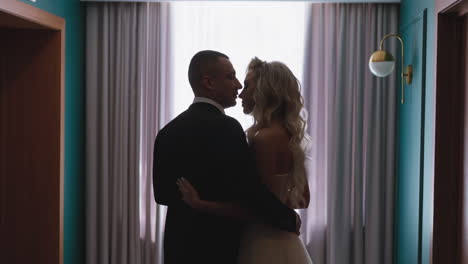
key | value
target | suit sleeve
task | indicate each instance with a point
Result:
(164, 182)
(252, 193)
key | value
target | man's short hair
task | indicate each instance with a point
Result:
(202, 63)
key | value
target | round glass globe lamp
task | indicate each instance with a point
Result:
(381, 63)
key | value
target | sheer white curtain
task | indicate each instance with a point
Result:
(156, 112)
(241, 30)
(352, 124)
(127, 75)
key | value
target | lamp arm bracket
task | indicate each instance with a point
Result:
(405, 74)
(391, 35)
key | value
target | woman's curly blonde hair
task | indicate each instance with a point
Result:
(278, 96)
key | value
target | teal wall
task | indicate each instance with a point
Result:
(73, 13)
(414, 190)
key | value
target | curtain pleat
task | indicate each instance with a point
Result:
(352, 124)
(125, 74)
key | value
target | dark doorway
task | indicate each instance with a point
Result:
(450, 234)
(31, 135)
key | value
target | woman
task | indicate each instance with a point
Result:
(272, 95)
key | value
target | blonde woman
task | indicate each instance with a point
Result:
(272, 95)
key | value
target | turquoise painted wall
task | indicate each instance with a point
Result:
(74, 14)
(413, 235)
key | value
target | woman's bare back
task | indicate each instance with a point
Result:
(274, 159)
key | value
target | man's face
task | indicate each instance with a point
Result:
(246, 95)
(225, 83)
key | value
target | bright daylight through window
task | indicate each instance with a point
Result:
(241, 30)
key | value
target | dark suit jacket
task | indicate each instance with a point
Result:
(210, 150)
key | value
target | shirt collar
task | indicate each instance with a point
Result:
(209, 101)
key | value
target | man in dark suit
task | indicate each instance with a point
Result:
(209, 149)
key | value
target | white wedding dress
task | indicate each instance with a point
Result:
(263, 244)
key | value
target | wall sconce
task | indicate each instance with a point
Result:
(382, 63)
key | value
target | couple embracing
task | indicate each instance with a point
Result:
(231, 195)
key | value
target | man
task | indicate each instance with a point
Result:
(209, 149)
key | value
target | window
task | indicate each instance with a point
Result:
(241, 30)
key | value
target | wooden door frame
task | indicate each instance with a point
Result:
(32, 14)
(449, 132)
(22, 15)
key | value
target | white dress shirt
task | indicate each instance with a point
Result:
(209, 101)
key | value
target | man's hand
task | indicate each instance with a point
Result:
(298, 224)
(189, 194)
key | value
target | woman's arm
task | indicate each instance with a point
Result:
(306, 195)
(191, 197)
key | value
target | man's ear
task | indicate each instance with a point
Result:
(207, 82)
